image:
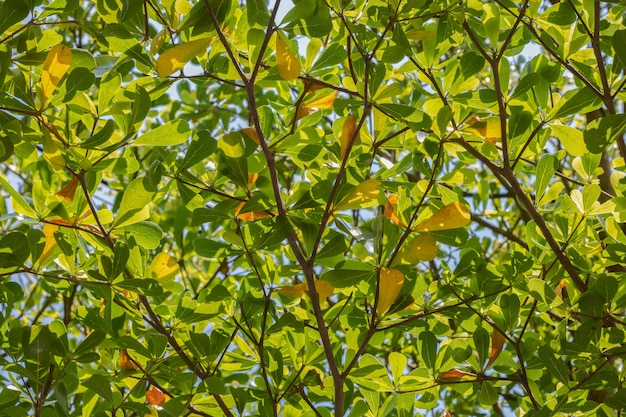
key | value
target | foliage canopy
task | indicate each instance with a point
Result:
(339, 207)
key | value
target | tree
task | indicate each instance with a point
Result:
(336, 207)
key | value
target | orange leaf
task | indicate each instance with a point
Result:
(126, 363)
(389, 285)
(390, 212)
(497, 343)
(155, 397)
(67, 192)
(252, 134)
(249, 216)
(456, 374)
(324, 289)
(55, 66)
(452, 216)
(286, 61)
(561, 289)
(348, 137)
(446, 414)
(488, 128)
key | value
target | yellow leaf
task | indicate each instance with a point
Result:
(51, 243)
(419, 35)
(497, 343)
(176, 57)
(390, 212)
(325, 102)
(489, 128)
(51, 152)
(157, 42)
(389, 285)
(348, 131)
(364, 195)
(286, 62)
(324, 289)
(420, 248)
(55, 66)
(163, 267)
(452, 216)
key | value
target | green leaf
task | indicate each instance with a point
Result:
(427, 343)
(134, 206)
(582, 100)
(555, 366)
(545, 171)
(602, 132)
(343, 278)
(170, 134)
(618, 41)
(571, 138)
(101, 385)
(481, 341)
(19, 204)
(147, 234)
(199, 149)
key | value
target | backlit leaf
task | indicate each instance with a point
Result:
(55, 66)
(453, 374)
(422, 247)
(51, 243)
(175, 58)
(364, 195)
(286, 61)
(325, 102)
(126, 363)
(67, 192)
(163, 267)
(252, 134)
(324, 289)
(348, 137)
(171, 133)
(452, 216)
(249, 216)
(497, 343)
(390, 212)
(389, 286)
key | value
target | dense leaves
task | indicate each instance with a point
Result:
(325, 207)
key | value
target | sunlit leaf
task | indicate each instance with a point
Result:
(55, 66)
(348, 137)
(163, 267)
(452, 216)
(389, 286)
(489, 128)
(286, 61)
(324, 289)
(422, 247)
(561, 289)
(175, 58)
(364, 195)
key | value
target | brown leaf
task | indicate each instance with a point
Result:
(497, 343)
(126, 363)
(67, 192)
(453, 374)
